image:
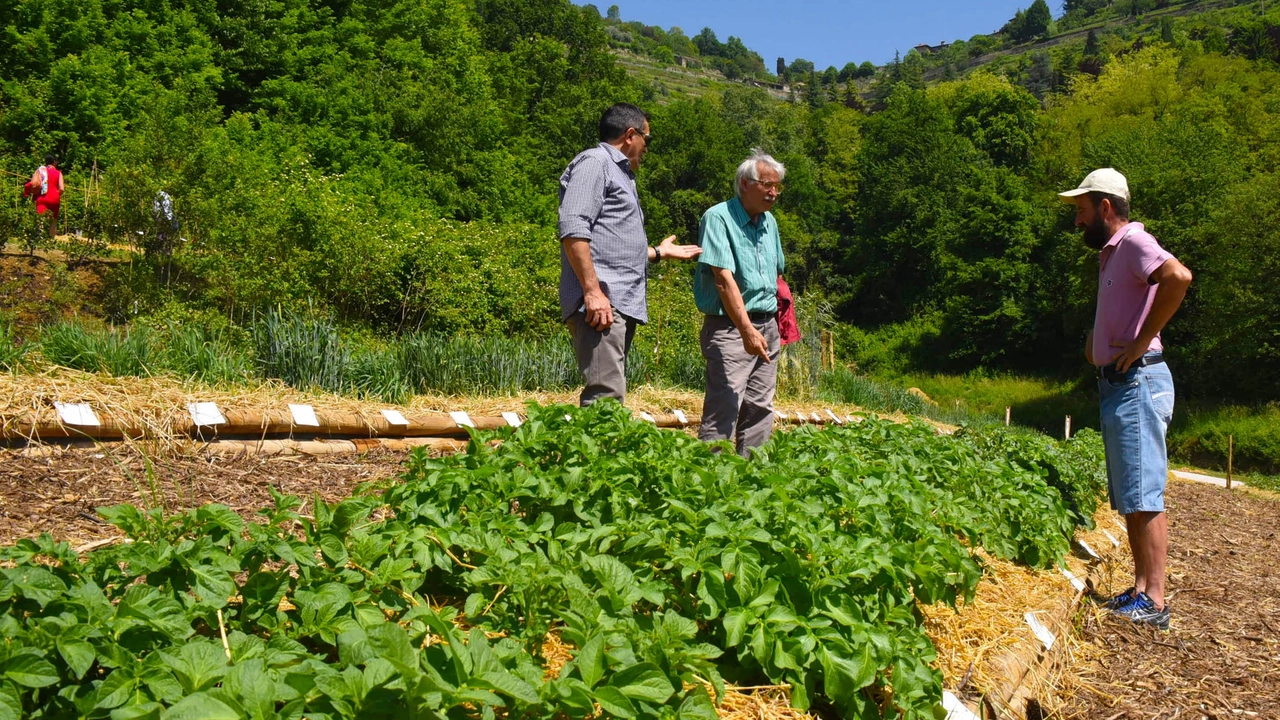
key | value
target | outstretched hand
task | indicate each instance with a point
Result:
(670, 249)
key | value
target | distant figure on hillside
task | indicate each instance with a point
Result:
(1140, 287)
(736, 288)
(604, 253)
(46, 186)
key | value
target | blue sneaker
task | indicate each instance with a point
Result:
(1142, 611)
(1118, 601)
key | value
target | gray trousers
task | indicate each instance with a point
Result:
(740, 387)
(602, 356)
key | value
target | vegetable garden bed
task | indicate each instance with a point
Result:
(665, 568)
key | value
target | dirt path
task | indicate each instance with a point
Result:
(1221, 657)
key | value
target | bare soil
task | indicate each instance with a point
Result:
(59, 494)
(1221, 656)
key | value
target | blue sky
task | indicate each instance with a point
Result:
(828, 32)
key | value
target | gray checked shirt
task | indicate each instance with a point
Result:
(598, 203)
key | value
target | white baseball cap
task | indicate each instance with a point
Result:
(1106, 180)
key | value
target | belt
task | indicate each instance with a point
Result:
(760, 317)
(1111, 371)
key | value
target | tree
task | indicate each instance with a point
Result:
(1166, 30)
(866, 70)
(830, 76)
(782, 69)
(1091, 44)
(707, 43)
(848, 72)
(1038, 19)
(615, 15)
(799, 68)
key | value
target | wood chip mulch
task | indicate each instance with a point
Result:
(1221, 656)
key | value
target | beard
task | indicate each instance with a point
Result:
(1096, 235)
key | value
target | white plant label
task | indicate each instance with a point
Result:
(1089, 550)
(680, 416)
(304, 415)
(834, 417)
(1112, 538)
(77, 414)
(568, 417)
(648, 418)
(1042, 633)
(1122, 527)
(461, 419)
(1076, 582)
(781, 415)
(395, 417)
(512, 419)
(205, 414)
(816, 418)
(850, 419)
(956, 709)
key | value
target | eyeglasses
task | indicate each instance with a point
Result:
(648, 138)
(774, 186)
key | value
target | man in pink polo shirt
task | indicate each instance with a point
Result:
(1140, 286)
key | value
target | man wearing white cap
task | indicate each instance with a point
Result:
(1140, 287)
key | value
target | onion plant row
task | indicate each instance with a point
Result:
(666, 566)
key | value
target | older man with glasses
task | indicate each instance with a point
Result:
(736, 288)
(604, 252)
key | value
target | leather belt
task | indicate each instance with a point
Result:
(760, 317)
(1111, 372)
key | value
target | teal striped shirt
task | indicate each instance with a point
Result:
(752, 251)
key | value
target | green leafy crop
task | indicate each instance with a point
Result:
(668, 566)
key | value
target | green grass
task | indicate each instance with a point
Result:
(1200, 436)
(1038, 403)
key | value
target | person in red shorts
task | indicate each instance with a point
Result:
(47, 186)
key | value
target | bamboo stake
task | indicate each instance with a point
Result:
(1008, 415)
(1067, 434)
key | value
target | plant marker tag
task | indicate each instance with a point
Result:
(304, 415)
(395, 417)
(833, 416)
(77, 414)
(956, 709)
(205, 414)
(1112, 538)
(1122, 527)
(781, 415)
(568, 417)
(648, 418)
(816, 418)
(1076, 582)
(512, 419)
(461, 419)
(1042, 633)
(1089, 550)
(680, 416)
(849, 418)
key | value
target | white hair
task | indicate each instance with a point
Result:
(750, 169)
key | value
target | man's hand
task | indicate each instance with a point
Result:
(754, 343)
(670, 249)
(598, 310)
(1130, 354)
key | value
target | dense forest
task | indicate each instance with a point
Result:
(394, 163)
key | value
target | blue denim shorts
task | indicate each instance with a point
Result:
(1136, 409)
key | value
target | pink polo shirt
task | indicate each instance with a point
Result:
(1124, 293)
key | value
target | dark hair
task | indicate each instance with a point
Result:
(1119, 205)
(618, 119)
(51, 159)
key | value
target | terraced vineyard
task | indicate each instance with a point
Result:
(666, 567)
